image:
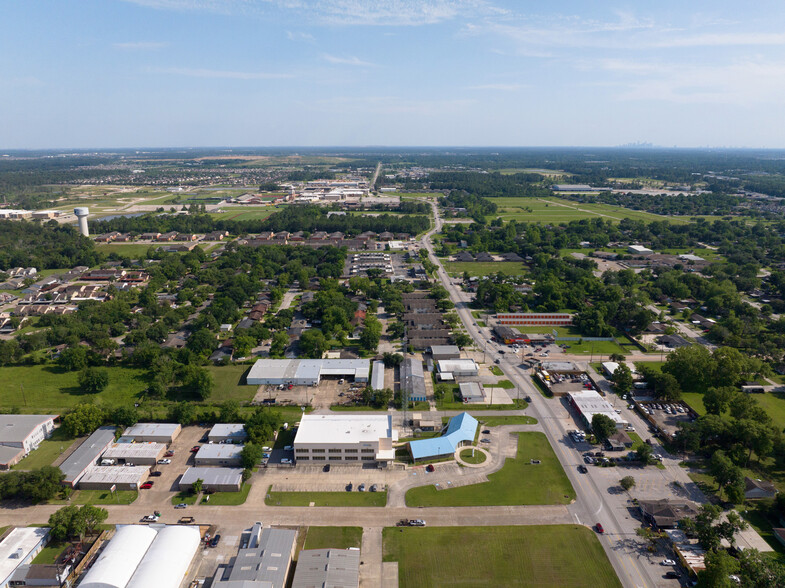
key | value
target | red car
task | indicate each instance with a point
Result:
(600, 529)
(429, 468)
(195, 448)
(147, 485)
(169, 453)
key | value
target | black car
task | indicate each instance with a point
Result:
(326, 467)
(486, 432)
(215, 540)
(583, 469)
(349, 487)
(672, 574)
(155, 474)
(528, 398)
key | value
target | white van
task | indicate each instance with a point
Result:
(108, 462)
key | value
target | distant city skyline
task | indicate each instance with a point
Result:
(298, 73)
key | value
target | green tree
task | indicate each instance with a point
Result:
(93, 380)
(73, 358)
(371, 333)
(690, 366)
(184, 413)
(196, 487)
(602, 426)
(83, 419)
(627, 482)
(622, 379)
(719, 567)
(229, 411)
(644, 453)
(91, 517)
(251, 455)
(279, 344)
(728, 475)
(60, 522)
(243, 345)
(198, 381)
(313, 344)
(461, 340)
(125, 416)
(717, 400)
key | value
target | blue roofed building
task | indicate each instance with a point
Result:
(459, 431)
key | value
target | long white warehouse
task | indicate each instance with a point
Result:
(306, 372)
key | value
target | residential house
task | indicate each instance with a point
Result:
(755, 489)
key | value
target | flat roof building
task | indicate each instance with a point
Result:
(349, 439)
(459, 431)
(589, 402)
(135, 453)
(19, 547)
(444, 352)
(219, 454)
(121, 477)
(413, 379)
(458, 367)
(221, 433)
(153, 432)
(471, 392)
(336, 568)
(306, 372)
(86, 455)
(377, 375)
(213, 478)
(639, 250)
(265, 563)
(20, 434)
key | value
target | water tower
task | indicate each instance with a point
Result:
(81, 215)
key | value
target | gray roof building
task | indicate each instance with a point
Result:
(156, 432)
(377, 375)
(413, 379)
(234, 432)
(224, 454)
(264, 563)
(219, 479)
(86, 454)
(445, 352)
(336, 568)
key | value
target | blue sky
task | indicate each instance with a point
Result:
(132, 73)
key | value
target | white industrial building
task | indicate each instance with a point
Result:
(120, 477)
(135, 453)
(20, 434)
(152, 433)
(639, 250)
(306, 372)
(218, 454)
(227, 433)
(349, 439)
(458, 367)
(377, 375)
(589, 402)
(141, 556)
(444, 352)
(472, 392)
(18, 548)
(218, 479)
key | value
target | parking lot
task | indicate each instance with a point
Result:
(666, 416)
(329, 391)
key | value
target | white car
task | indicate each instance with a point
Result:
(164, 461)
(286, 460)
(667, 562)
(288, 448)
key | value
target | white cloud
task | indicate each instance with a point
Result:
(220, 74)
(300, 36)
(347, 60)
(140, 45)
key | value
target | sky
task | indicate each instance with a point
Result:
(175, 73)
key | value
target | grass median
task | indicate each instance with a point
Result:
(518, 482)
(536, 556)
(333, 537)
(325, 498)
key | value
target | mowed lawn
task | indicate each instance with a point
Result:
(353, 498)
(557, 210)
(131, 250)
(478, 268)
(772, 402)
(333, 537)
(47, 451)
(518, 482)
(537, 556)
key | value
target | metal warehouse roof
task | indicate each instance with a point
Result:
(24, 538)
(213, 476)
(445, 349)
(8, 454)
(152, 429)
(236, 431)
(290, 369)
(461, 428)
(168, 558)
(134, 450)
(377, 377)
(87, 453)
(327, 567)
(219, 451)
(471, 392)
(344, 429)
(15, 428)
(116, 563)
(268, 562)
(114, 474)
(457, 365)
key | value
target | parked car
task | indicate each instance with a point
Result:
(589, 460)
(672, 574)
(156, 474)
(181, 505)
(286, 460)
(288, 448)
(430, 468)
(214, 541)
(149, 519)
(373, 488)
(146, 485)
(326, 468)
(164, 461)
(667, 562)
(416, 523)
(486, 432)
(195, 448)
(497, 361)
(361, 488)
(349, 487)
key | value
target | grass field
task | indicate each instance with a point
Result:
(47, 451)
(534, 556)
(244, 213)
(352, 498)
(478, 457)
(557, 210)
(496, 421)
(185, 496)
(695, 401)
(230, 383)
(229, 498)
(476, 268)
(597, 348)
(99, 497)
(333, 537)
(132, 250)
(518, 482)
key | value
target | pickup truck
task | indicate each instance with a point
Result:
(186, 520)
